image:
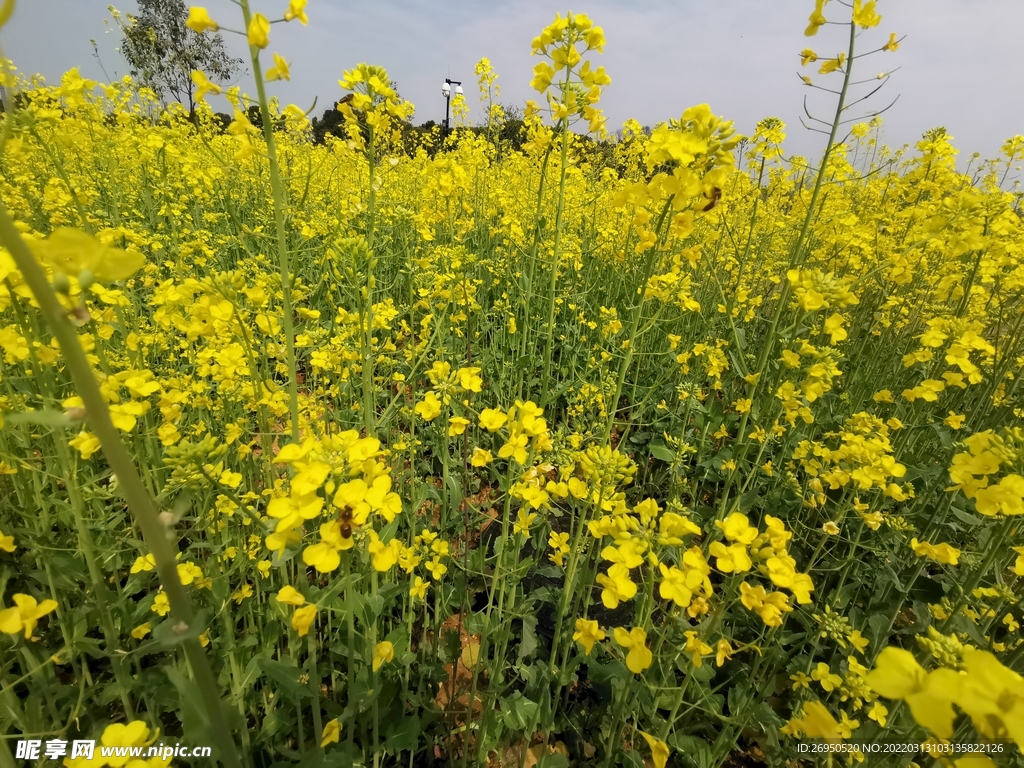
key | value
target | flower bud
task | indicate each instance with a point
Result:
(61, 283)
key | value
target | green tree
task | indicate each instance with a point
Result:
(162, 52)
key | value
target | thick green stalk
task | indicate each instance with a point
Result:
(576, 551)
(376, 680)
(528, 282)
(314, 686)
(350, 625)
(796, 257)
(555, 255)
(140, 503)
(369, 406)
(283, 260)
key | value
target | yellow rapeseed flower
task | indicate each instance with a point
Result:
(382, 654)
(940, 553)
(24, 614)
(457, 425)
(864, 14)
(296, 10)
(143, 563)
(817, 18)
(588, 632)
(5, 11)
(897, 675)
(259, 31)
(696, 647)
(429, 407)
(161, 606)
(75, 253)
(639, 656)
(659, 750)
(290, 596)
(617, 586)
(492, 419)
(332, 729)
(303, 618)
(199, 20)
(280, 70)
(419, 588)
(203, 85)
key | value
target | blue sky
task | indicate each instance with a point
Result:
(739, 56)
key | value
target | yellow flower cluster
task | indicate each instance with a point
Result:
(374, 100)
(864, 458)
(972, 469)
(988, 692)
(348, 470)
(577, 87)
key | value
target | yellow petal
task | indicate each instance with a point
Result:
(72, 251)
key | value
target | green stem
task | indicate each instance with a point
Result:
(284, 265)
(555, 255)
(369, 406)
(140, 503)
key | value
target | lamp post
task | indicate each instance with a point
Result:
(446, 90)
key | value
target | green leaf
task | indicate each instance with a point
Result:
(965, 516)
(889, 573)
(170, 633)
(739, 697)
(192, 709)
(42, 418)
(389, 591)
(698, 750)
(252, 672)
(403, 734)
(553, 760)
(194, 716)
(341, 756)
(549, 572)
(766, 717)
(286, 676)
(364, 691)
(748, 500)
(608, 671)
(661, 451)
(518, 712)
(878, 623)
(529, 640)
(927, 589)
(454, 493)
(273, 724)
(964, 624)
(374, 606)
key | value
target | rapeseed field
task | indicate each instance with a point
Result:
(411, 449)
